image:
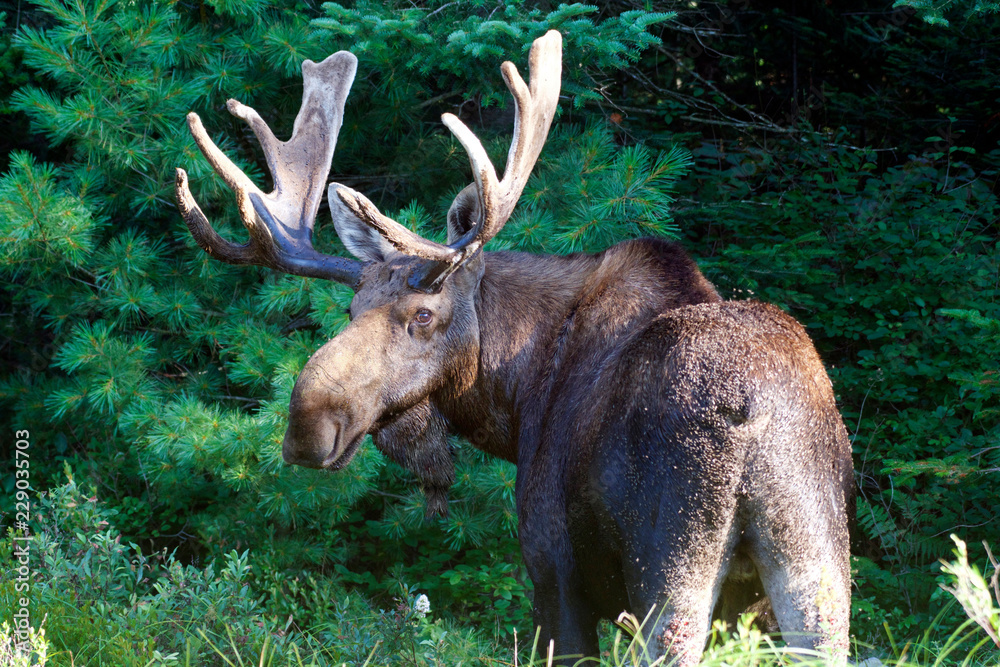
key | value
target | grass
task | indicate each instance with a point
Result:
(743, 646)
(115, 606)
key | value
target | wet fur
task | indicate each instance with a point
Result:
(417, 439)
(663, 439)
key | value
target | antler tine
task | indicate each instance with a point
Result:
(494, 199)
(536, 106)
(281, 223)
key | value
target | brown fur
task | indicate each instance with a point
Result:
(672, 448)
(417, 439)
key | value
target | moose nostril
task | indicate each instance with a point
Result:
(331, 458)
(293, 455)
(312, 444)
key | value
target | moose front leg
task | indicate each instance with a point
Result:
(562, 612)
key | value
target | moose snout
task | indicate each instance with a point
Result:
(325, 439)
(312, 438)
(294, 454)
(333, 404)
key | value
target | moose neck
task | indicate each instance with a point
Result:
(542, 316)
(524, 301)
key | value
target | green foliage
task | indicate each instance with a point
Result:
(46, 228)
(416, 61)
(747, 645)
(978, 598)
(468, 564)
(469, 38)
(124, 319)
(15, 652)
(981, 386)
(932, 11)
(121, 76)
(105, 602)
(877, 76)
(614, 194)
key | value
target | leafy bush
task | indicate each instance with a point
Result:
(17, 652)
(105, 602)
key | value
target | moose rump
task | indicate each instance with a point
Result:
(710, 449)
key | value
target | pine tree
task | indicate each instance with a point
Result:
(168, 374)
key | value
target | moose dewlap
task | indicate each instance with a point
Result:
(675, 452)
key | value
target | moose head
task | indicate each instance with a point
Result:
(414, 327)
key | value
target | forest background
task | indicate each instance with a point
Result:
(839, 160)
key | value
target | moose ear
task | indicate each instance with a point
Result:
(360, 239)
(464, 212)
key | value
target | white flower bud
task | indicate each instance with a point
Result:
(422, 605)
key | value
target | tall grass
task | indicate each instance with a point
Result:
(121, 600)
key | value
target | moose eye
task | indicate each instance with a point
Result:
(423, 316)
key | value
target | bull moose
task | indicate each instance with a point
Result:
(673, 450)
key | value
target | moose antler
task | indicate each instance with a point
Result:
(487, 201)
(281, 223)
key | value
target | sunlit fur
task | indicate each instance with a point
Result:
(671, 447)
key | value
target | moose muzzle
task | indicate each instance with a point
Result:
(334, 404)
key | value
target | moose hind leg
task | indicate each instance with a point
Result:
(682, 630)
(806, 574)
(679, 624)
(681, 587)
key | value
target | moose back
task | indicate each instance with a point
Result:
(675, 452)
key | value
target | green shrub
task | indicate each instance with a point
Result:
(104, 602)
(23, 650)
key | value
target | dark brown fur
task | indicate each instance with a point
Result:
(671, 447)
(417, 439)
